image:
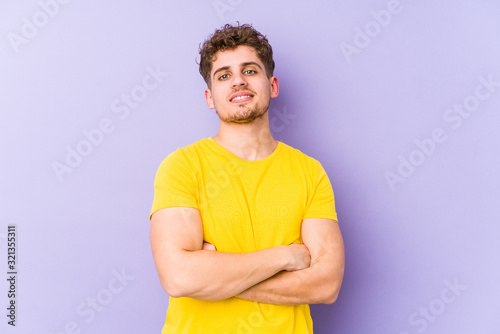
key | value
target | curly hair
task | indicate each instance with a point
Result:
(228, 38)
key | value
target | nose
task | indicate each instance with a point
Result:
(238, 80)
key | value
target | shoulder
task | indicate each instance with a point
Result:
(188, 151)
(184, 156)
(198, 145)
(301, 157)
(311, 167)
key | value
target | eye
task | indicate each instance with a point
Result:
(224, 76)
(250, 72)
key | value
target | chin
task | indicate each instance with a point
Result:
(243, 115)
(246, 118)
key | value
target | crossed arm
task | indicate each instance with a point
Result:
(295, 274)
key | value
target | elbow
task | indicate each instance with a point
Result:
(331, 296)
(173, 291)
(330, 291)
(178, 287)
(175, 286)
(333, 286)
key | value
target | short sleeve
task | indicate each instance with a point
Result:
(322, 203)
(175, 184)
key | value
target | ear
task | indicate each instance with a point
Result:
(275, 86)
(208, 97)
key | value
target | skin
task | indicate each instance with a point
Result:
(289, 275)
(244, 127)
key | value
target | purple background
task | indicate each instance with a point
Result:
(356, 113)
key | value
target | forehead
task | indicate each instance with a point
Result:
(235, 57)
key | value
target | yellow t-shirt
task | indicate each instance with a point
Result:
(245, 206)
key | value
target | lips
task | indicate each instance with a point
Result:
(241, 97)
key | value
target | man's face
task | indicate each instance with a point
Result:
(240, 91)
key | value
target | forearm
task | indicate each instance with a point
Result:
(317, 284)
(212, 275)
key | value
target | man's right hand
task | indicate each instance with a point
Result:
(208, 246)
(300, 258)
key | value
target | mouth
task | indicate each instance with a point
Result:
(241, 97)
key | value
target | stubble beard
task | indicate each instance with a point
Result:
(244, 115)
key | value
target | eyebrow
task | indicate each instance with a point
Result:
(248, 63)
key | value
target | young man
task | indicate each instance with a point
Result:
(244, 231)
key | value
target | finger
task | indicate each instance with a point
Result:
(208, 246)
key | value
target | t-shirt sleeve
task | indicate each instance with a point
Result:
(322, 202)
(175, 184)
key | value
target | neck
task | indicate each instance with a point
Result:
(252, 141)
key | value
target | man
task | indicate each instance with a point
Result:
(244, 231)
